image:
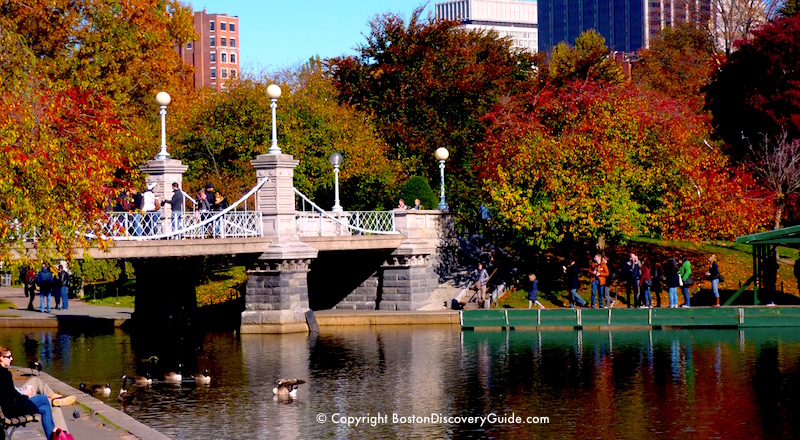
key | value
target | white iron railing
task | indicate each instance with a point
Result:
(315, 221)
(127, 226)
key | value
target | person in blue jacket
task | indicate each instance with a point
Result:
(533, 292)
(45, 282)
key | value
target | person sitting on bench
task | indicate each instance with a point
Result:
(15, 404)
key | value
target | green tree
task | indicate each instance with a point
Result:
(428, 84)
(588, 60)
(222, 132)
(789, 8)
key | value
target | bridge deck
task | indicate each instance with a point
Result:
(353, 242)
(235, 246)
(182, 248)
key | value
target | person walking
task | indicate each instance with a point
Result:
(673, 281)
(533, 292)
(45, 282)
(30, 286)
(685, 273)
(572, 273)
(713, 274)
(64, 278)
(597, 289)
(480, 284)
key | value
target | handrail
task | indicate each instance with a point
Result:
(191, 228)
(325, 214)
(187, 196)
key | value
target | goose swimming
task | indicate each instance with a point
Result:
(287, 387)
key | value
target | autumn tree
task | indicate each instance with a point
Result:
(58, 155)
(224, 131)
(428, 83)
(679, 63)
(610, 161)
(76, 110)
(757, 91)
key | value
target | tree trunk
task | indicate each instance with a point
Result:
(778, 214)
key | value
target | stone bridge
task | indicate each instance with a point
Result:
(290, 268)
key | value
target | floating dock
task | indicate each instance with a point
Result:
(656, 318)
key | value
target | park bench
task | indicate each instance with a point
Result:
(10, 424)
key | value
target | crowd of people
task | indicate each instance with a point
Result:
(145, 208)
(640, 279)
(53, 283)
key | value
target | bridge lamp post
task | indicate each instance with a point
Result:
(336, 160)
(274, 92)
(441, 155)
(163, 99)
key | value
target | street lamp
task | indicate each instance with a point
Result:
(336, 160)
(441, 155)
(274, 92)
(163, 99)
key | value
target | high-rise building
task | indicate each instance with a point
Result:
(509, 18)
(215, 52)
(627, 25)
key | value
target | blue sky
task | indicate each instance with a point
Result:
(277, 34)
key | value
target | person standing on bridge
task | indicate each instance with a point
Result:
(152, 214)
(177, 205)
(220, 204)
(210, 195)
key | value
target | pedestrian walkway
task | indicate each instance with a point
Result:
(19, 316)
(96, 420)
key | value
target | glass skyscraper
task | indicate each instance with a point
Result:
(627, 25)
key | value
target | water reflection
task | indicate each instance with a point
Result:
(621, 384)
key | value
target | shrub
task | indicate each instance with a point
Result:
(418, 188)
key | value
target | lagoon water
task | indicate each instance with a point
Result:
(415, 382)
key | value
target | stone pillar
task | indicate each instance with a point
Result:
(276, 297)
(163, 173)
(409, 276)
(408, 281)
(165, 290)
